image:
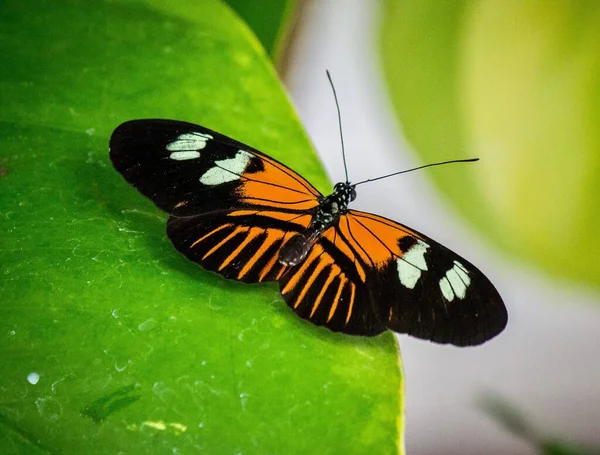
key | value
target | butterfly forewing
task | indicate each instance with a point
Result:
(429, 291)
(188, 170)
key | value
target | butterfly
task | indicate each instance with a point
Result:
(244, 215)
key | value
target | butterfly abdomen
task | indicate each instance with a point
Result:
(296, 249)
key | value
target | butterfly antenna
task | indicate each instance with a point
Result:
(340, 123)
(417, 168)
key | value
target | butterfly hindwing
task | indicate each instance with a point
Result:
(186, 169)
(331, 288)
(240, 244)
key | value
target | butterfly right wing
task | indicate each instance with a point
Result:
(368, 273)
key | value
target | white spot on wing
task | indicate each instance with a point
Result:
(457, 285)
(447, 291)
(227, 170)
(456, 282)
(187, 146)
(181, 156)
(411, 264)
(33, 378)
(462, 272)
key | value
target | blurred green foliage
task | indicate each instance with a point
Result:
(513, 419)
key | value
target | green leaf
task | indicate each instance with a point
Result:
(268, 19)
(508, 415)
(110, 341)
(516, 84)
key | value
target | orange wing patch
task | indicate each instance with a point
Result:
(313, 257)
(336, 299)
(251, 234)
(233, 232)
(348, 250)
(375, 237)
(272, 237)
(276, 186)
(302, 219)
(244, 253)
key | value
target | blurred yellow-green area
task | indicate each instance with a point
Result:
(516, 83)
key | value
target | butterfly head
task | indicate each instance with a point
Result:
(345, 191)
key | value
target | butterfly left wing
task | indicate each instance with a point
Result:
(189, 170)
(231, 207)
(368, 273)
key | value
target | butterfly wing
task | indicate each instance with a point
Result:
(331, 287)
(240, 244)
(368, 273)
(231, 207)
(189, 170)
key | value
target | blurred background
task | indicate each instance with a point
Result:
(516, 84)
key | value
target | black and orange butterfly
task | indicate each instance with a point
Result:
(248, 217)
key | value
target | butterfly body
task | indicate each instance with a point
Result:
(248, 217)
(328, 212)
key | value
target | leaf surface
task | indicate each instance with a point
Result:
(110, 341)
